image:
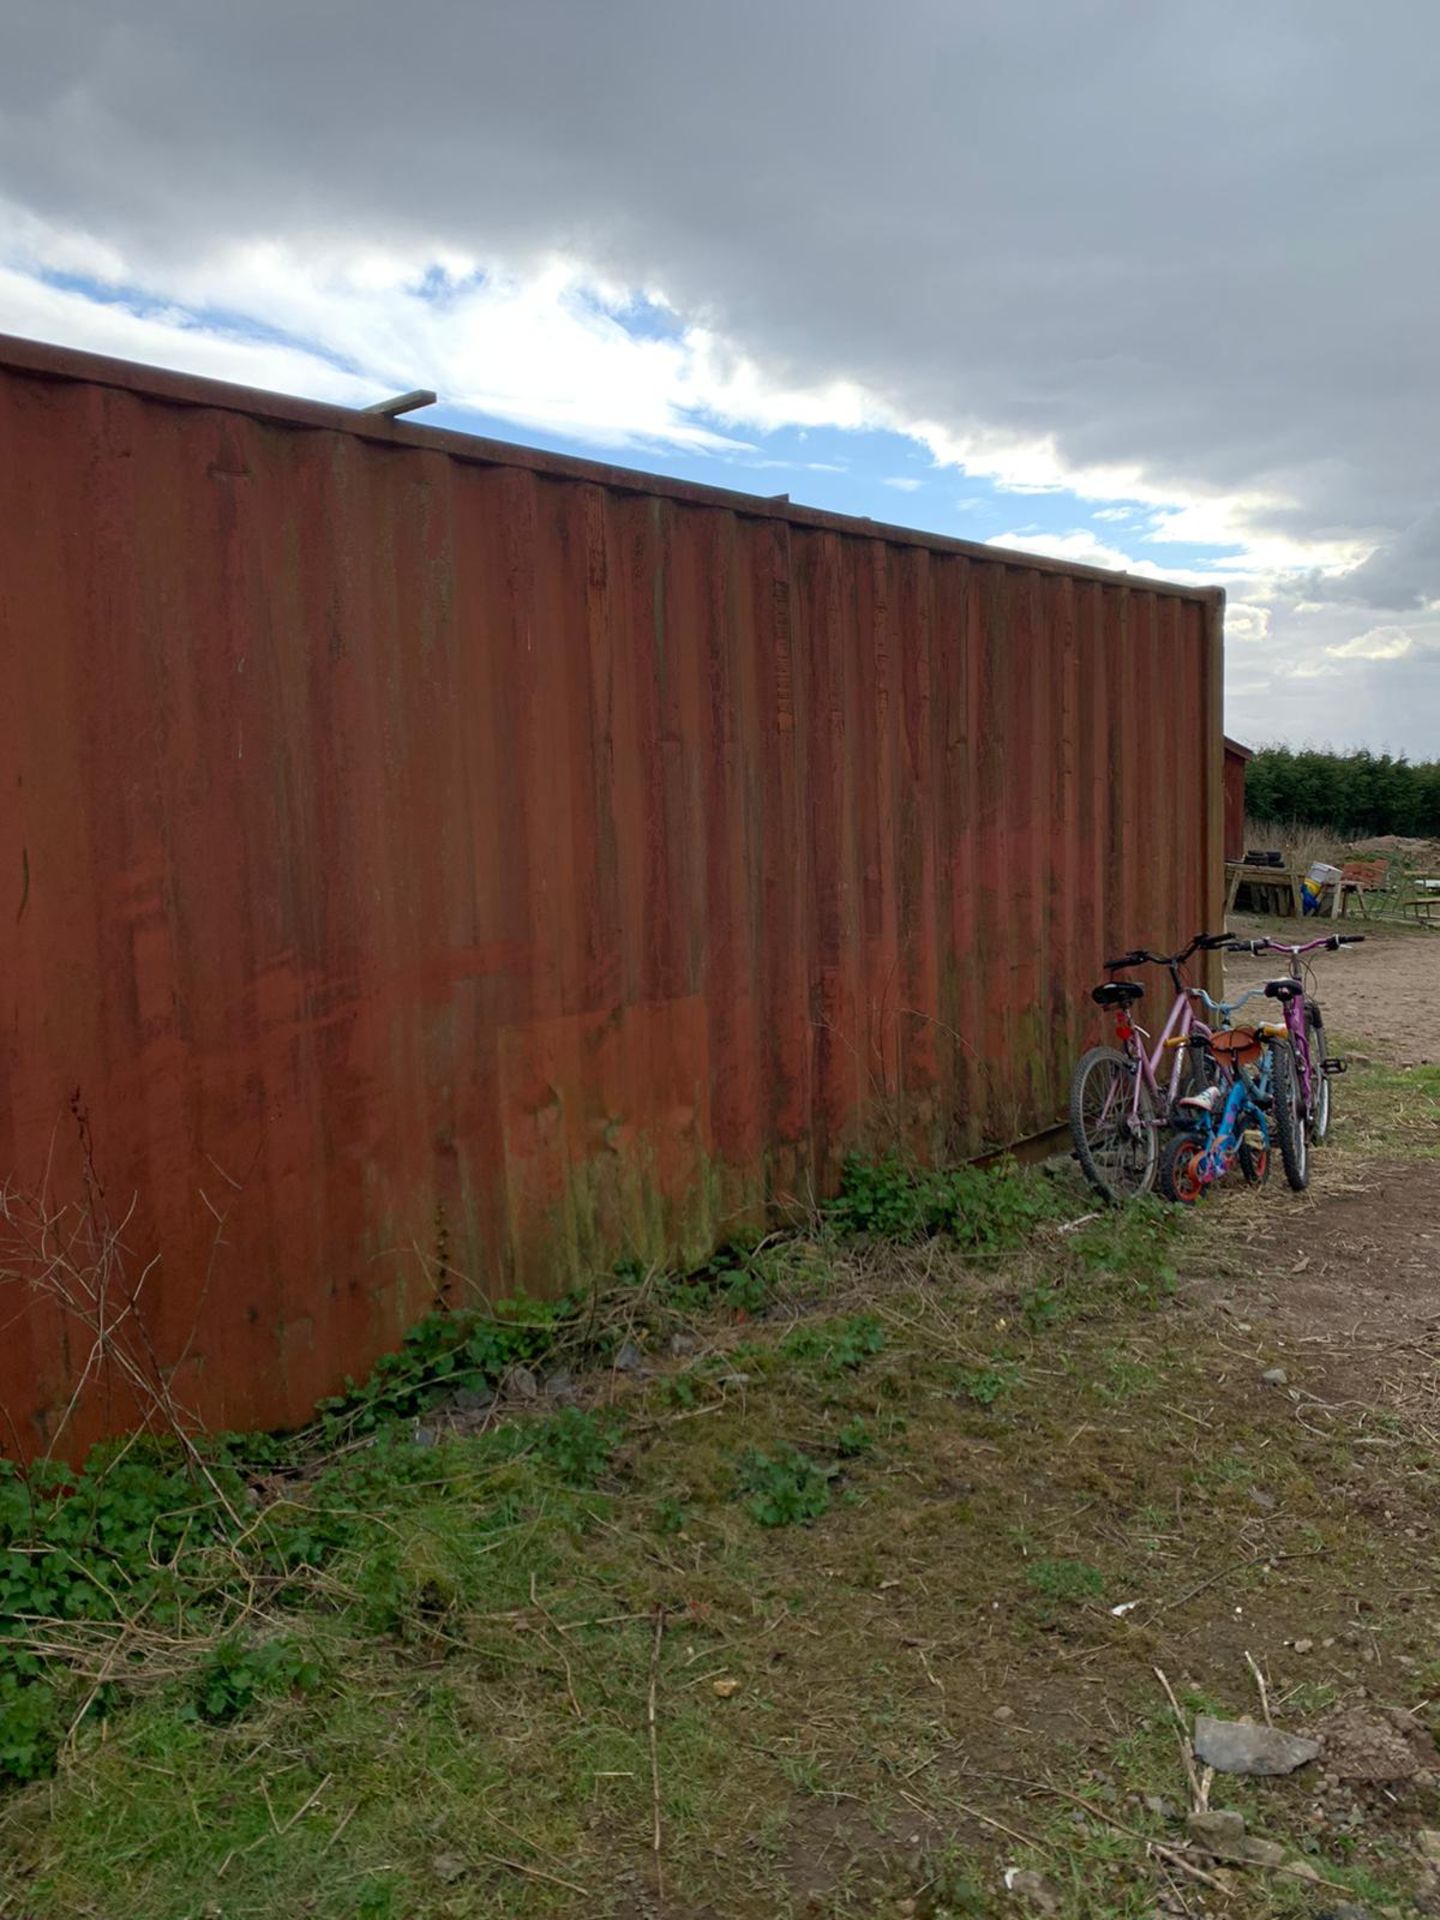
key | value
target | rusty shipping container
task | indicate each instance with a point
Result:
(434, 865)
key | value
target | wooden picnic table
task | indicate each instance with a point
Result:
(1357, 878)
(1423, 898)
(1273, 883)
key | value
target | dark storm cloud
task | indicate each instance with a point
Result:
(1196, 239)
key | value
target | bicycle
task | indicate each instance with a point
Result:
(1232, 1124)
(1116, 1097)
(1305, 1024)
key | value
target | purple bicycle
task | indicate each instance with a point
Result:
(1314, 1068)
(1119, 1101)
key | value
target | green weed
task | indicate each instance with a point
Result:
(855, 1439)
(1064, 1582)
(837, 1346)
(986, 1385)
(577, 1446)
(786, 1488)
(235, 1676)
(983, 1210)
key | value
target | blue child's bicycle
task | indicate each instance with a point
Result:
(1253, 1097)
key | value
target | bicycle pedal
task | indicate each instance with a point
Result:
(1335, 1065)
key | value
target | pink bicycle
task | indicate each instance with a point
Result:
(1122, 1097)
(1314, 1068)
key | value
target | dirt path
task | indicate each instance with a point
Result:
(1385, 994)
(1348, 1276)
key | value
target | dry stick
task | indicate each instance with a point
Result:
(534, 1873)
(1170, 1855)
(985, 1819)
(337, 1831)
(1260, 1683)
(1187, 1752)
(655, 1745)
(1224, 1573)
(550, 1621)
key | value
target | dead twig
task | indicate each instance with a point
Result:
(1239, 1566)
(1172, 1856)
(533, 1873)
(653, 1729)
(1198, 1796)
(985, 1819)
(1260, 1683)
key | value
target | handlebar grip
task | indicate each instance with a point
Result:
(1211, 942)
(1338, 940)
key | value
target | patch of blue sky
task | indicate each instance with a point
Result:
(871, 474)
(215, 321)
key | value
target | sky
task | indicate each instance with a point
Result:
(1126, 281)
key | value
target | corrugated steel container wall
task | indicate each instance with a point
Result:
(436, 865)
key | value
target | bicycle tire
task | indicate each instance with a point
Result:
(1119, 1164)
(1320, 1108)
(1290, 1128)
(1179, 1181)
(1254, 1164)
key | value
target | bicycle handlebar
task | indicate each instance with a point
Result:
(1225, 1007)
(1203, 942)
(1332, 941)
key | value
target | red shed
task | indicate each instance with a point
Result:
(1235, 759)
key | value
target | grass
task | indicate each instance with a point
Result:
(1392, 1110)
(892, 1544)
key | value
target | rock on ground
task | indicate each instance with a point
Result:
(1237, 1746)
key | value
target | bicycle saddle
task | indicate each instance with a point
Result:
(1116, 993)
(1286, 989)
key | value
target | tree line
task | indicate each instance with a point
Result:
(1357, 793)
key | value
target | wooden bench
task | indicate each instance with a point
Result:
(1421, 898)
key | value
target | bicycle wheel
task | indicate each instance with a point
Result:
(1319, 1079)
(1289, 1126)
(1115, 1141)
(1180, 1169)
(1254, 1163)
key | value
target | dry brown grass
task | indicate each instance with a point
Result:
(1301, 844)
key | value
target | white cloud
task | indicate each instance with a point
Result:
(1246, 622)
(1081, 546)
(903, 483)
(1379, 643)
(168, 337)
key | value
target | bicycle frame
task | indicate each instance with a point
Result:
(1294, 1009)
(1139, 1095)
(1174, 1038)
(1242, 1113)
